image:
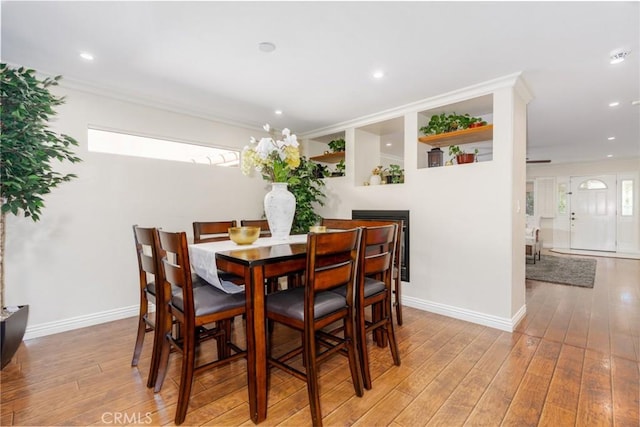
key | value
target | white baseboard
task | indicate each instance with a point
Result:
(502, 323)
(49, 328)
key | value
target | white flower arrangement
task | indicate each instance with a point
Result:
(274, 159)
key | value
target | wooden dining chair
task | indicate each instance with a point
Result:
(262, 223)
(396, 277)
(212, 231)
(215, 231)
(150, 276)
(373, 289)
(193, 308)
(331, 262)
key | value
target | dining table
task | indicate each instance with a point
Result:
(266, 258)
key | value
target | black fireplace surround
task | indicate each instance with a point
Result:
(395, 215)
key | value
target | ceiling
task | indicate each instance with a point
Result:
(203, 58)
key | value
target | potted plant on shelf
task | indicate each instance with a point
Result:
(28, 147)
(461, 155)
(443, 123)
(337, 145)
(394, 174)
(340, 167)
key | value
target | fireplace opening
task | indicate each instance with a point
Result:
(404, 243)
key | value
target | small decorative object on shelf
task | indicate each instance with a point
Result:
(376, 176)
(434, 157)
(461, 155)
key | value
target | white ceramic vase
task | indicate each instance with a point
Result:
(375, 180)
(280, 207)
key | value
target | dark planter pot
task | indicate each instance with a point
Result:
(12, 332)
(465, 158)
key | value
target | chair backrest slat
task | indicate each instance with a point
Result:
(340, 224)
(177, 268)
(265, 231)
(331, 262)
(212, 231)
(148, 258)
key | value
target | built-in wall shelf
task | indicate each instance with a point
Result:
(459, 137)
(329, 158)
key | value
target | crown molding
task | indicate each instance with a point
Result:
(458, 95)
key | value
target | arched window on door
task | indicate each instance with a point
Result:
(592, 184)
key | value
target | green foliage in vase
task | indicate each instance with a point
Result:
(308, 190)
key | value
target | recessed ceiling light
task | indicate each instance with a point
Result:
(266, 47)
(614, 104)
(388, 144)
(635, 102)
(611, 138)
(278, 112)
(609, 155)
(618, 57)
(378, 74)
(86, 56)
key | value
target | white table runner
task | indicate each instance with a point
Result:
(203, 258)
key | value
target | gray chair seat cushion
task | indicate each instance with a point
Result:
(151, 288)
(208, 300)
(290, 303)
(195, 280)
(371, 287)
(229, 277)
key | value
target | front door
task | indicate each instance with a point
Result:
(593, 212)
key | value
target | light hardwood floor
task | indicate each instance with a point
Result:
(574, 360)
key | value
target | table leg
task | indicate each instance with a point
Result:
(256, 344)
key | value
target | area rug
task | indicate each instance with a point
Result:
(566, 271)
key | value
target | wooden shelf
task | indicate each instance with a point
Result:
(459, 137)
(329, 158)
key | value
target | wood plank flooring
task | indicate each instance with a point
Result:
(574, 360)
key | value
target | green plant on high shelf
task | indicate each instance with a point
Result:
(340, 169)
(337, 145)
(308, 190)
(443, 123)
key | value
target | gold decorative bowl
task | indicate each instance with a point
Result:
(244, 235)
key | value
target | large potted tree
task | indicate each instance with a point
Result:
(28, 147)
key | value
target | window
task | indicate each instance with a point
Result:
(562, 199)
(592, 184)
(101, 141)
(530, 198)
(627, 197)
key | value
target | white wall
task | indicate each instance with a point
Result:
(467, 221)
(77, 266)
(555, 231)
